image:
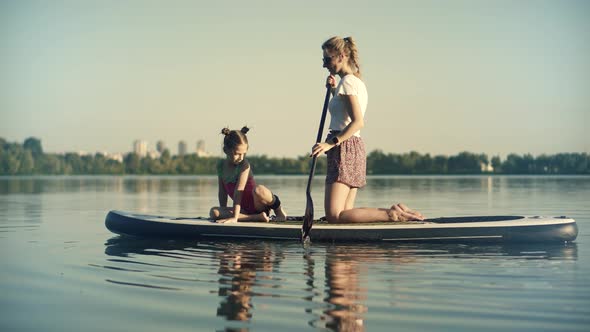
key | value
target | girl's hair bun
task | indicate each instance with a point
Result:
(233, 138)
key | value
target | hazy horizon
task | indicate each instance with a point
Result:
(492, 77)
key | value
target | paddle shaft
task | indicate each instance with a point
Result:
(308, 218)
(319, 138)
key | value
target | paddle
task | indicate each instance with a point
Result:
(308, 217)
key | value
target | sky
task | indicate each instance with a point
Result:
(494, 77)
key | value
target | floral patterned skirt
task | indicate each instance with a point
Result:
(347, 162)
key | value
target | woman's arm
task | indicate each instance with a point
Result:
(331, 82)
(357, 122)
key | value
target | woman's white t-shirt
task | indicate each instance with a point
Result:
(339, 109)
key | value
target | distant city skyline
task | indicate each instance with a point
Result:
(493, 77)
(142, 148)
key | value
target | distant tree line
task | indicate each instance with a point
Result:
(28, 159)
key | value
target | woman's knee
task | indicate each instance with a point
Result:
(333, 217)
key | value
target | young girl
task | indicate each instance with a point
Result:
(344, 146)
(251, 202)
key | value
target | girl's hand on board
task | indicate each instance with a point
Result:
(228, 220)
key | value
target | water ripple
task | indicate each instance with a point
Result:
(140, 285)
(59, 256)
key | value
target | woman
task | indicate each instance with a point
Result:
(344, 146)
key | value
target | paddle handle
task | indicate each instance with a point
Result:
(320, 132)
(324, 112)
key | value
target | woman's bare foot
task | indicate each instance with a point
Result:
(405, 208)
(399, 214)
(394, 215)
(281, 214)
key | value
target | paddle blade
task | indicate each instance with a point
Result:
(307, 220)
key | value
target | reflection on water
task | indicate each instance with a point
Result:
(344, 291)
(434, 195)
(249, 271)
(241, 267)
(52, 240)
(115, 184)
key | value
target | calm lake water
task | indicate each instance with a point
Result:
(62, 270)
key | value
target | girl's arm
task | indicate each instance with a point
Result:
(222, 194)
(242, 179)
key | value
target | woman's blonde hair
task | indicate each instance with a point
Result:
(346, 46)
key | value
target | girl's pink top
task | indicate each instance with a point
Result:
(230, 183)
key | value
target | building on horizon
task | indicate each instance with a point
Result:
(486, 167)
(201, 152)
(111, 156)
(160, 146)
(181, 148)
(140, 147)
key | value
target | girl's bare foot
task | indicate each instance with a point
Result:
(281, 214)
(263, 217)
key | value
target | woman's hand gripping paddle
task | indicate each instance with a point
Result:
(308, 217)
